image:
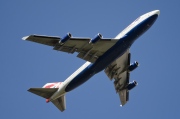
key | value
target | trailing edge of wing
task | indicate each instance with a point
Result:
(124, 96)
(118, 70)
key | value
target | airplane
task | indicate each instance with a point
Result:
(109, 54)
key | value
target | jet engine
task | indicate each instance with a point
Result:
(65, 38)
(131, 85)
(97, 38)
(133, 66)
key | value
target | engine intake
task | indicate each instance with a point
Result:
(133, 66)
(131, 85)
(97, 38)
(65, 38)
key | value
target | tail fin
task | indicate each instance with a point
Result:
(47, 91)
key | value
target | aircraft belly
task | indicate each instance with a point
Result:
(110, 54)
(81, 78)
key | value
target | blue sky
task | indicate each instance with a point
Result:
(25, 64)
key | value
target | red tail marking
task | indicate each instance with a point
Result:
(47, 100)
(49, 86)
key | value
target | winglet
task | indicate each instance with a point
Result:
(25, 37)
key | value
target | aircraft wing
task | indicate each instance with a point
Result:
(118, 71)
(85, 50)
(60, 103)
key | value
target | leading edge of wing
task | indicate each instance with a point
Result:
(40, 36)
(57, 38)
(42, 39)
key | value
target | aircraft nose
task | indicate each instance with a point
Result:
(156, 12)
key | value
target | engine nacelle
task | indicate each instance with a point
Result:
(97, 38)
(131, 85)
(65, 38)
(133, 66)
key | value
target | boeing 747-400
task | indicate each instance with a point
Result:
(109, 54)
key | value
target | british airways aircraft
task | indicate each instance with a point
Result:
(109, 54)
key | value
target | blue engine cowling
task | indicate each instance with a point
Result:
(66, 38)
(131, 85)
(97, 38)
(133, 66)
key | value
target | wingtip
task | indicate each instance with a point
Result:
(29, 89)
(25, 37)
(122, 105)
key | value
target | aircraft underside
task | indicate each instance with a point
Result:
(109, 54)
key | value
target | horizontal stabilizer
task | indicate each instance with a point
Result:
(60, 103)
(43, 92)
